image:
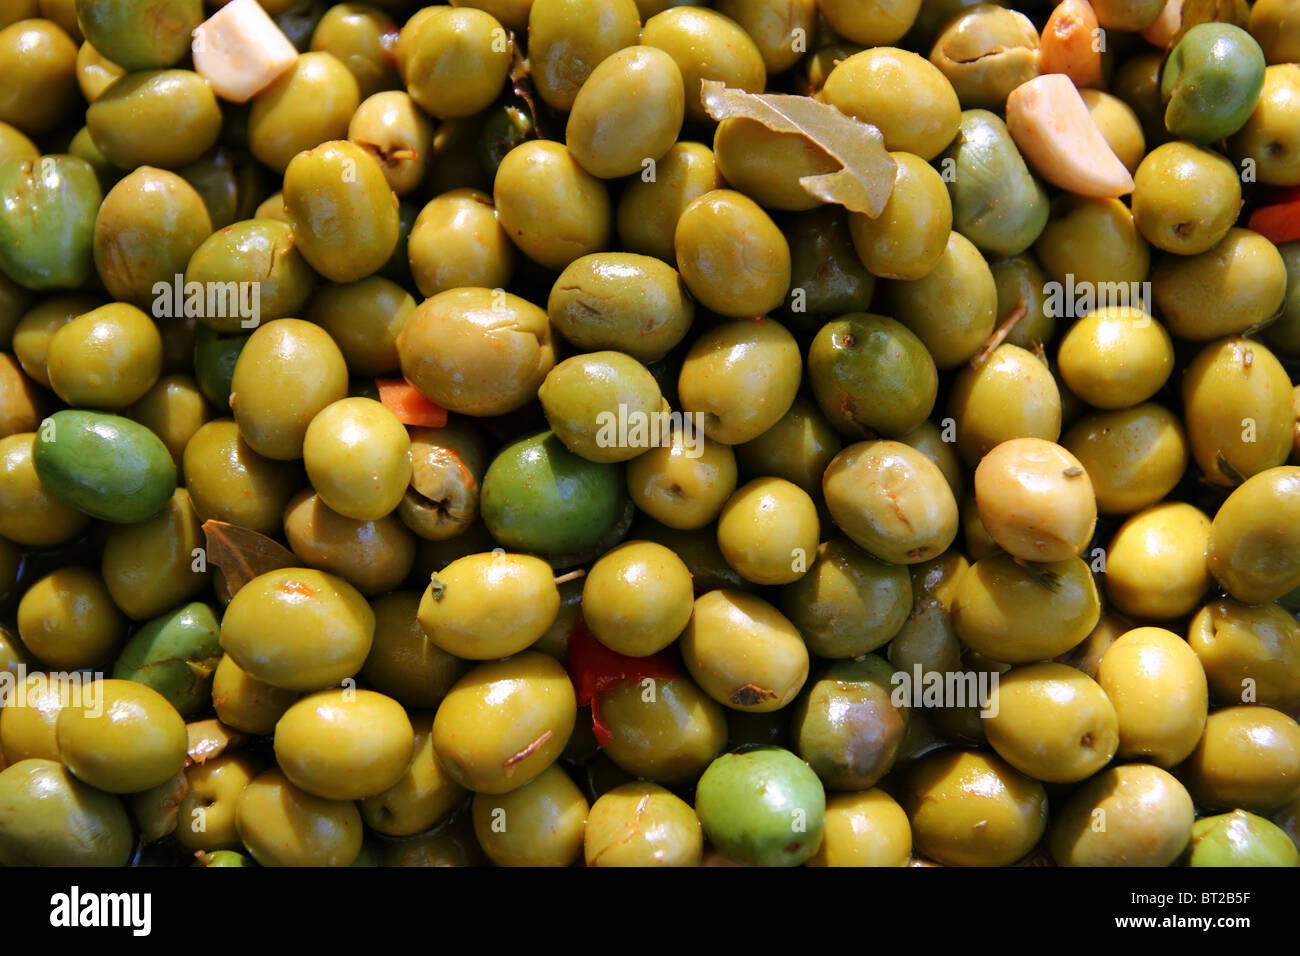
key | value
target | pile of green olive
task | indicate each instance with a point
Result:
(429, 437)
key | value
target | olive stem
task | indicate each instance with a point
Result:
(571, 576)
(1000, 334)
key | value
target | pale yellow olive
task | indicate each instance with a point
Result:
(1155, 565)
(684, 484)
(637, 598)
(488, 606)
(1116, 357)
(344, 744)
(539, 824)
(424, 795)
(743, 652)
(358, 458)
(768, 531)
(1035, 500)
(1052, 722)
(1133, 457)
(1158, 688)
(1134, 815)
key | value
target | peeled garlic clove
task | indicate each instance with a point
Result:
(1057, 136)
(240, 50)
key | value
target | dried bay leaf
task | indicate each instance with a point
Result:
(238, 555)
(866, 178)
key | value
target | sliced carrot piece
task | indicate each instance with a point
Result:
(1277, 222)
(409, 405)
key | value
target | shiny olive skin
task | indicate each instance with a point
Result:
(424, 794)
(762, 807)
(29, 513)
(140, 36)
(742, 376)
(848, 603)
(344, 744)
(584, 396)
(642, 824)
(1246, 759)
(1252, 550)
(40, 90)
(47, 243)
(260, 250)
(1249, 652)
(986, 52)
(1237, 407)
(476, 351)
(847, 727)
(779, 28)
(1116, 357)
(1237, 284)
(706, 45)
(537, 496)
(457, 62)
(281, 825)
(399, 137)
(1046, 622)
(230, 482)
(797, 448)
(505, 722)
(457, 241)
(142, 744)
(364, 318)
(69, 621)
(969, 808)
(891, 500)
(872, 376)
(1155, 566)
(996, 202)
(1211, 82)
(298, 629)
(908, 238)
(27, 722)
(404, 662)
(1272, 24)
(669, 738)
(567, 39)
(1096, 240)
(373, 556)
(767, 166)
(1158, 688)
(179, 101)
(21, 405)
(206, 814)
(150, 567)
(1052, 722)
(1012, 395)
(1148, 816)
(610, 133)
(622, 301)
(489, 606)
(149, 225)
(684, 484)
(287, 373)
(649, 209)
(743, 652)
(245, 703)
(826, 276)
(176, 654)
(1134, 456)
(539, 824)
(767, 531)
(309, 104)
(358, 458)
(952, 308)
(1185, 198)
(362, 38)
(107, 358)
(864, 829)
(1035, 500)
(731, 255)
(343, 213)
(905, 96)
(1119, 126)
(50, 818)
(174, 409)
(1240, 839)
(550, 207)
(637, 598)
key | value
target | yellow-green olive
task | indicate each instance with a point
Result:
(488, 606)
(358, 458)
(908, 239)
(206, 814)
(1012, 395)
(637, 598)
(155, 565)
(1147, 818)
(69, 621)
(903, 95)
(1251, 653)
(423, 796)
(767, 531)
(124, 737)
(1116, 357)
(539, 824)
(864, 829)
(372, 556)
(404, 663)
(685, 483)
(1254, 551)
(246, 703)
(642, 824)
(1134, 456)
(1248, 759)
(706, 46)
(731, 254)
(1155, 565)
(281, 825)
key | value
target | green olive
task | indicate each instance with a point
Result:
(309, 104)
(28, 719)
(650, 207)
(124, 121)
(358, 458)
(585, 397)
(797, 448)
(953, 308)
(1011, 395)
(150, 567)
(767, 165)
(567, 39)
(1186, 198)
(1238, 283)
(245, 703)
(174, 409)
(457, 62)
(230, 482)
(457, 241)
(206, 814)
(906, 97)
(1094, 240)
